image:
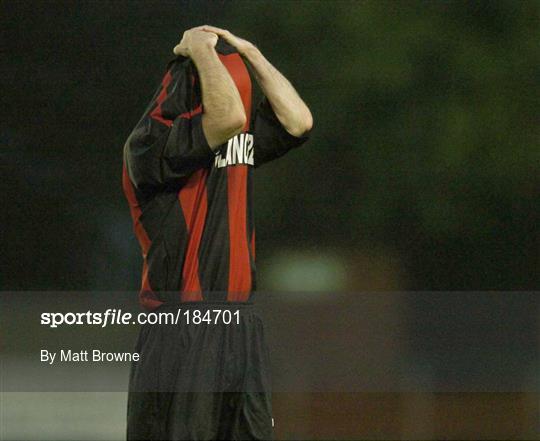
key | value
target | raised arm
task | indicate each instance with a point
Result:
(180, 130)
(289, 108)
(224, 114)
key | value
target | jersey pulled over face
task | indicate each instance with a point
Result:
(192, 207)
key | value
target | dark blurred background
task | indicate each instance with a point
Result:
(422, 174)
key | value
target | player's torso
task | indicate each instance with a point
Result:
(202, 234)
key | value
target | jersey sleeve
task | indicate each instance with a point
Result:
(271, 140)
(168, 143)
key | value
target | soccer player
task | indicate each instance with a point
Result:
(188, 179)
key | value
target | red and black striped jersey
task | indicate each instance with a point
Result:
(192, 207)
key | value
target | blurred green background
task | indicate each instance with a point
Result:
(424, 161)
(422, 173)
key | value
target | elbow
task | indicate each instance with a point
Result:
(304, 126)
(237, 122)
(308, 123)
(220, 130)
(233, 124)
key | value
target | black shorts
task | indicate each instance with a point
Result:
(197, 380)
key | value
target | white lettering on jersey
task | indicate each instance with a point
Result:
(239, 151)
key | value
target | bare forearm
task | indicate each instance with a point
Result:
(224, 114)
(289, 108)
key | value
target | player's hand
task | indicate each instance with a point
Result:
(194, 39)
(240, 44)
